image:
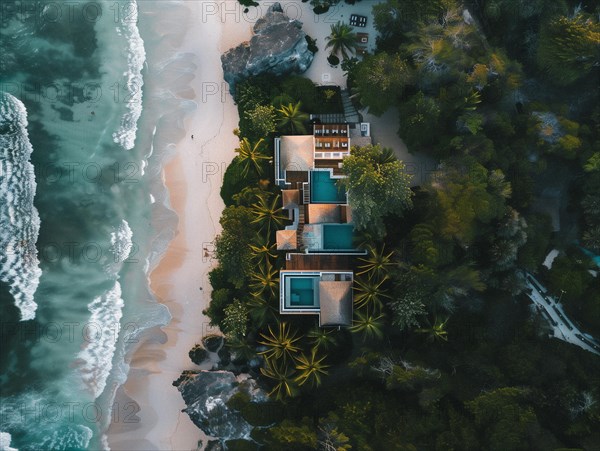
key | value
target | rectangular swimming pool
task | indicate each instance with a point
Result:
(338, 236)
(302, 291)
(324, 189)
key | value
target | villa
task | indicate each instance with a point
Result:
(320, 242)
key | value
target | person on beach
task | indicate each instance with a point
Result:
(192, 136)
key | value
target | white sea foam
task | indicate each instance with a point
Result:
(104, 323)
(28, 415)
(5, 439)
(149, 154)
(74, 437)
(19, 219)
(103, 330)
(136, 57)
(121, 242)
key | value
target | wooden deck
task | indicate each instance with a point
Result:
(296, 177)
(320, 262)
(333, 164)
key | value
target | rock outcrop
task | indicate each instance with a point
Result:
(206, 394)
(278, 47)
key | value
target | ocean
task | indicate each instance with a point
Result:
(85, 127)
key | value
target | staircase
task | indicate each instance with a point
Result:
(300, 216)
(350, 112)
(305, 194)
(300, 229)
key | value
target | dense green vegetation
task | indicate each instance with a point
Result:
(445, 351)
(378, 187)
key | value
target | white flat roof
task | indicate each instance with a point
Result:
(550, 258)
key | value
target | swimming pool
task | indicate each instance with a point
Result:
(302, 291)
(324, 189)
(338, 236)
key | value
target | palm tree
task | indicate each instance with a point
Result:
(265, 280)
(370, 293)
(261, 311)
(280, 344)
(250, 156)
(241, 348)
(311, 368)
(263, 250)
(267, 213)
(370, 325)
(342, 40)
(435, 331)
(292, 119)
(285, 385)
(377, 263)
(322, 338)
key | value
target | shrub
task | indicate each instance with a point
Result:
(333, 60)
(260, 121)
(198, 354)
(219, 299)
(312, 44)
(213, 342)
(330, 100)
(257, 414)
(302, 90)
(235, 323)
(234, 182)
(218, 278)
(224, 356)
(321, 9)
(231, 246)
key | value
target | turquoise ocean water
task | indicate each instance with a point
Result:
(78, 226)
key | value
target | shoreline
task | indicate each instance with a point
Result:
(192, 178)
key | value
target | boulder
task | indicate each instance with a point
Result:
(206, 394)
(278, 47)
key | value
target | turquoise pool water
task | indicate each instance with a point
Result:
(302, 291)
(338, 236)
(324, 190)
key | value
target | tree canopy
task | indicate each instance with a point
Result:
(379, 81)
(569, 47)
(377, 185)
(232, 245)
(467, 197)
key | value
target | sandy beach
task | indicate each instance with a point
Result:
(193, 178)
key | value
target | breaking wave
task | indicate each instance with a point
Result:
(104, 324)
(121, 242)
(19, 219)
(102, 335)
(5, 439)
(136, 57)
